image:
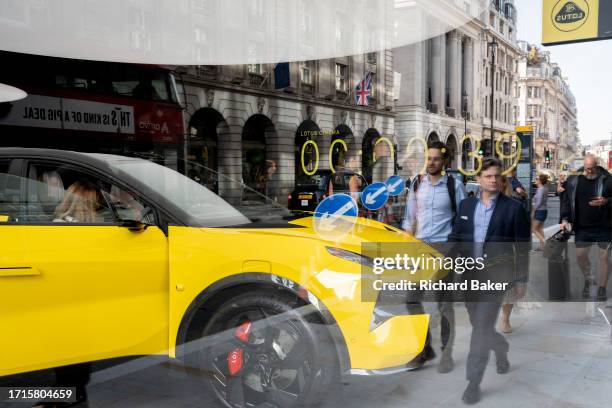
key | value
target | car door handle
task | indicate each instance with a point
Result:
(18, 271)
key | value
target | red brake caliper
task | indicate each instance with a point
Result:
(235, 359)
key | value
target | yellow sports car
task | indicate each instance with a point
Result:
(107, 256)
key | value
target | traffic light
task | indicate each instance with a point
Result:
(547, 155)
(485, 148)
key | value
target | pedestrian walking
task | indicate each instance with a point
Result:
(518, 291)
(561, 186)
(585, 209)
(539, 211)
(431, 207)
(494, 227)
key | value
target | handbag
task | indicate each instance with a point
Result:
(553, 249)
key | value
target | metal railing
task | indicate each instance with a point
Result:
(256, 79)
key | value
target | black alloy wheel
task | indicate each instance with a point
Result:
(263, 352)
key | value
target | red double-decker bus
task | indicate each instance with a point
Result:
(92, 106)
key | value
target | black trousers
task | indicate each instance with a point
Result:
(483, 316)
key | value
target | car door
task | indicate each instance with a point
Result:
(78, 290)
(13, 256)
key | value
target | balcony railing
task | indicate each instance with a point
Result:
(432, 107)
(256, 79)
(450, 111)
(465, 115)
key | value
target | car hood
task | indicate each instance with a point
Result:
(365, 230)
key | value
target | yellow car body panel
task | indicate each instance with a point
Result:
(98, 292)
(93, 292)
(200, 257)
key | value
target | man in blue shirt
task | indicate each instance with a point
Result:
(430, 212)
(494, 229)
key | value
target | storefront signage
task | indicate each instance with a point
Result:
(72, 114)
(569, 21)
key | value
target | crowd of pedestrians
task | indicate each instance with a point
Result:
(438, 210)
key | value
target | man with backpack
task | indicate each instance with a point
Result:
(585, 209)
(431, 207)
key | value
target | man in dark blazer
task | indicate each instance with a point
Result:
(495, 228)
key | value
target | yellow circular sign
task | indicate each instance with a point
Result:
(570, 15)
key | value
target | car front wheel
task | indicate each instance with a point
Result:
(267, 349)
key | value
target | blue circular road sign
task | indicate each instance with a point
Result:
(375, 196)
(395, 185)
(335, 216)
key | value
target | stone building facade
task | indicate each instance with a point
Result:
(544, 100)
(445, 91)
(240, 124)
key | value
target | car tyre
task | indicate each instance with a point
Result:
(267, 348)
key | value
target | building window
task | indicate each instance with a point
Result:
(534, 111)
(341, 75)
(515, 113)
(533, 92)
(306, 72)
(371, 58)
(373, 93)
(254, 69)
(496, 110)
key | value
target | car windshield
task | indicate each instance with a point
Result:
(313, 180)
(200, 204)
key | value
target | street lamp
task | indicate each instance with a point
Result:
(493, 44)
(464, 109)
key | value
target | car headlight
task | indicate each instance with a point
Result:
(351, 256)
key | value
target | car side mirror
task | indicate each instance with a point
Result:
(134, 225)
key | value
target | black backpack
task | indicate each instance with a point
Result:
(450, 184)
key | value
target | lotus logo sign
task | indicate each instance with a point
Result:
(570, 15)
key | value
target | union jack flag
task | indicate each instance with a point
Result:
(363, 92)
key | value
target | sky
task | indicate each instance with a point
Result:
(586, 66)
